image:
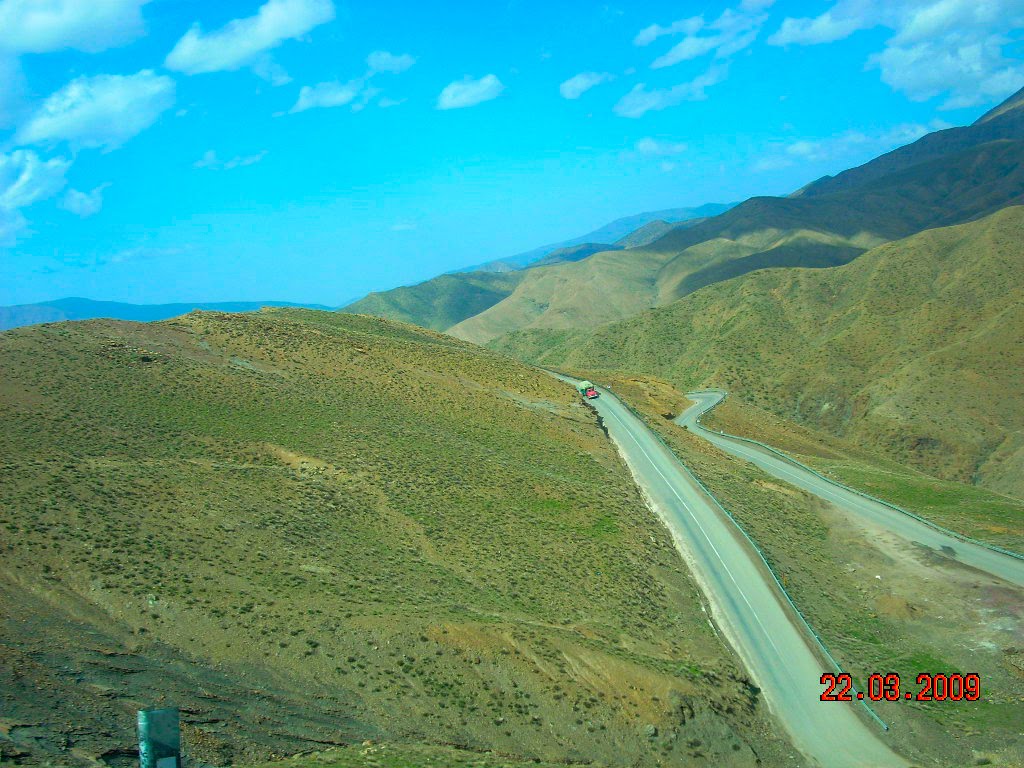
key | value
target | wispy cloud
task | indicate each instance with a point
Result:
(579, 84)
(951, 47)
(84, 204)
(357, 92)
(243, 42)
(25, 179)
(210, 161)
(658, 148)
(383, 61)
(103, 111)
(847, 146)
(331, 94)
(689, 26)
(639, 101)
(733, 31)
(469, 92)
(35, 26)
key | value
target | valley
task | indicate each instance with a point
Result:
(400, 531)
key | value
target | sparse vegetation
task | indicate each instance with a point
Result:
(379, 527)
(879, 605)
(911, 351)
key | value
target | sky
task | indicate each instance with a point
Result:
(315, 150)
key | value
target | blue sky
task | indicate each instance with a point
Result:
(311, 150)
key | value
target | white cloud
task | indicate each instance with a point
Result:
(25, 179)
(951, 47)
(40, 26)
(101, 111)
(211, 161)
(648, 35)
(84, 204)
(856, 146)
(331, 94)
(727, 35)
(469, 92)
(242, 42)
(579, 84)
(357, 92)
(366, 96)
(657, 148)
(382, 61)
(639, 101)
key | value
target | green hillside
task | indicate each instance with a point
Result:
(74, 308)
(441, 302)
(574, 253)
(310, 528)
(913, 349)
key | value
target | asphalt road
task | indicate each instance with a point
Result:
(747, 605)
(1005, 567)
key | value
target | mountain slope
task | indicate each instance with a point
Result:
(1005, 121)
(818, 231)
(609, 233)
(914, 348)
(574, 253)
(19, 315)
(446, 300)
(440, 302)
(309, 528)
(957, 181)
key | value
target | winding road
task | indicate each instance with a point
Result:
(747, 604)
(993, 562)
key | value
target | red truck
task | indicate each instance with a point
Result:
(587, 389)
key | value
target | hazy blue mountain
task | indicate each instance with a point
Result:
(75, 308)
(609, 233)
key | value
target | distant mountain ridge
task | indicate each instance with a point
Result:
(75, 308)
(609, 233)
(1005, 121)
(946, 178)
(443, 302)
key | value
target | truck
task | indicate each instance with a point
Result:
(587, 389)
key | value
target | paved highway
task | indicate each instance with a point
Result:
(747, 605)
(991, 561)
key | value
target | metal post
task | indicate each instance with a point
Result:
(159, 738)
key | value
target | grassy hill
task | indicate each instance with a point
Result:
(19, 315)
(441, 302)
(309, 528)
(913, 349)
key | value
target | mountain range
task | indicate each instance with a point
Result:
(74, 308)
(825, 306)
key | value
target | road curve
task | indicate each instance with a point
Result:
(1003, 566)
(746, 604)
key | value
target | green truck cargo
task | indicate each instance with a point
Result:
(587, 389)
